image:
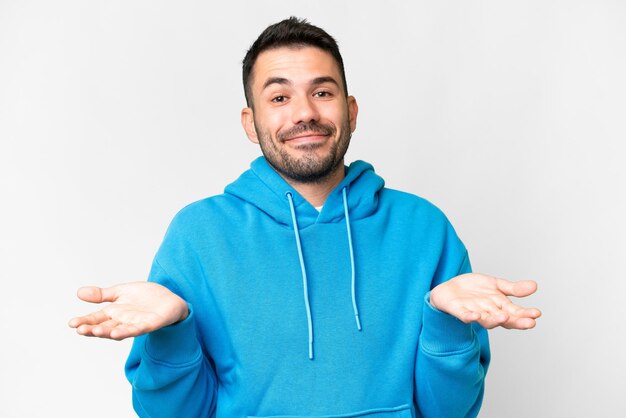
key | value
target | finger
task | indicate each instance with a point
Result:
(490, 321)
(468, 316)
(491, 305)
(518, 289)
(96, 294)
(476, 310)
(520, 323)
(91, 319)
(85, 330)
(511, 317)
(125, 331)
(110, 330)
(528, 313)
(95, 324)
(521, 312)
(486, 318)
(103, 329)
(463, 311)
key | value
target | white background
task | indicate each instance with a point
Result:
(507, 115)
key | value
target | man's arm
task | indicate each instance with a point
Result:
(168, 371)
(453, 354)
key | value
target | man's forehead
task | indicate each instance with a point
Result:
(288, 62)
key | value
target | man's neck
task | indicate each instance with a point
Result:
(316, 193)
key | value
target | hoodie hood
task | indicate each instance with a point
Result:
(264, 188)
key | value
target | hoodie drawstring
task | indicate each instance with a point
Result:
(304, 279)
(303, 268)
(356, 309)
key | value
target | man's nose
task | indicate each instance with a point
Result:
(305, 110)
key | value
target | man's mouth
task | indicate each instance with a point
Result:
(309, 133)
(306, 137)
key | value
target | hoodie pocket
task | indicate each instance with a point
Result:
(404, 411)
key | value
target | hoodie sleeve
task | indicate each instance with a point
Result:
(452, 357)
(168, 371)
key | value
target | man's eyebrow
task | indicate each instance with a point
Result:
(316, 81)
(324, 79)
(275, 80)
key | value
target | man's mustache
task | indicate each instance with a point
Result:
(307, 127)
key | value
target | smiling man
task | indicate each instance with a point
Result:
(301, 115)
(307, 288)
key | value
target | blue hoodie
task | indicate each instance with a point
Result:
(300, 313)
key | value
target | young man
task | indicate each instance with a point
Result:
(307, 288)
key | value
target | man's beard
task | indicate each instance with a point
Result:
(310, 167)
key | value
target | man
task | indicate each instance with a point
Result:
(307, 288)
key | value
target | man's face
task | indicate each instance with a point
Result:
(301, 117)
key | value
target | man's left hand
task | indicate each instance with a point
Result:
(485, 299)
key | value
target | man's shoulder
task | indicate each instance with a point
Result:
(209, 208)
(410, 203)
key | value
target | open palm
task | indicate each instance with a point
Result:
(135, 309)
(485, 299)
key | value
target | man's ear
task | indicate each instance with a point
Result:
(247, 121)
(353, 111)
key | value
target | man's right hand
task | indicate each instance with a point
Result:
(135, 309)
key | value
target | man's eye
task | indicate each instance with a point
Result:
(322, 94)
(279, 99)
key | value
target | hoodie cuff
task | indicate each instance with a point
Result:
(174, 344)
(444, 333)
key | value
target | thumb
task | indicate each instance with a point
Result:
(96, 294)
(518, 289)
